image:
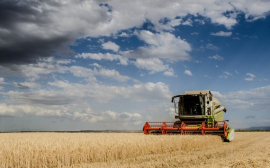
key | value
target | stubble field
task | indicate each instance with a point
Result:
(249, 149)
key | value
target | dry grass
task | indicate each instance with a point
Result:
(132, 150)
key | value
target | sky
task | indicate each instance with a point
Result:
(101, 65)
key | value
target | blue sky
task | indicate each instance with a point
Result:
(70, 65)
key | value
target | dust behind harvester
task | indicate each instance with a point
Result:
(198, 113)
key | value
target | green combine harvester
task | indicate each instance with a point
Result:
(198, 113)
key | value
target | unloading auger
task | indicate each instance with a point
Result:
(198, 113)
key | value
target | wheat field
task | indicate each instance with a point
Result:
(249, 149)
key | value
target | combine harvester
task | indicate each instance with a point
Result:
(199, 113)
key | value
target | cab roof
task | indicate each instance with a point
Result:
(198, 92)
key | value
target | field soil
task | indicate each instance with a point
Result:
(249, 149)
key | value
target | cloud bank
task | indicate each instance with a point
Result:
(31, 30)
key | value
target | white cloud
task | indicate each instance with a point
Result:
(110, 46)
(188, 22)
(45, 67)
(62, 94)
(101, 40)
(96, 65)
(169, 72)
(111, 74)
(42, 67)
(211, 46)
(251, 77)
(149, 90)
(103, 56)
(254, 99)
(165, 24)
(71, 20)
(253, 37)
(213, 10)
(194, 33)
(2, 80)
(113, 117)
(251, 19)
(175, 22)
(161, 45)
(188, 72)
(202, 22)
(222, 33)
(124, 34)
(65, 100)
(227, 73)
(21, 110)
(216, 57)
(236, 38)
(151, 64)
(82, 113)
(89, 73)
(206, 76)
(26, 85)
(253, 11)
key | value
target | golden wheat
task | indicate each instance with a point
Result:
(67, 149)
(123, 150)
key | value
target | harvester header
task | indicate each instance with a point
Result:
(198, 112)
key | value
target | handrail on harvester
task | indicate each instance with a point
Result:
(186, 127)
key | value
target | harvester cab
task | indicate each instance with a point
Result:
(198, 105)
(198, 113)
